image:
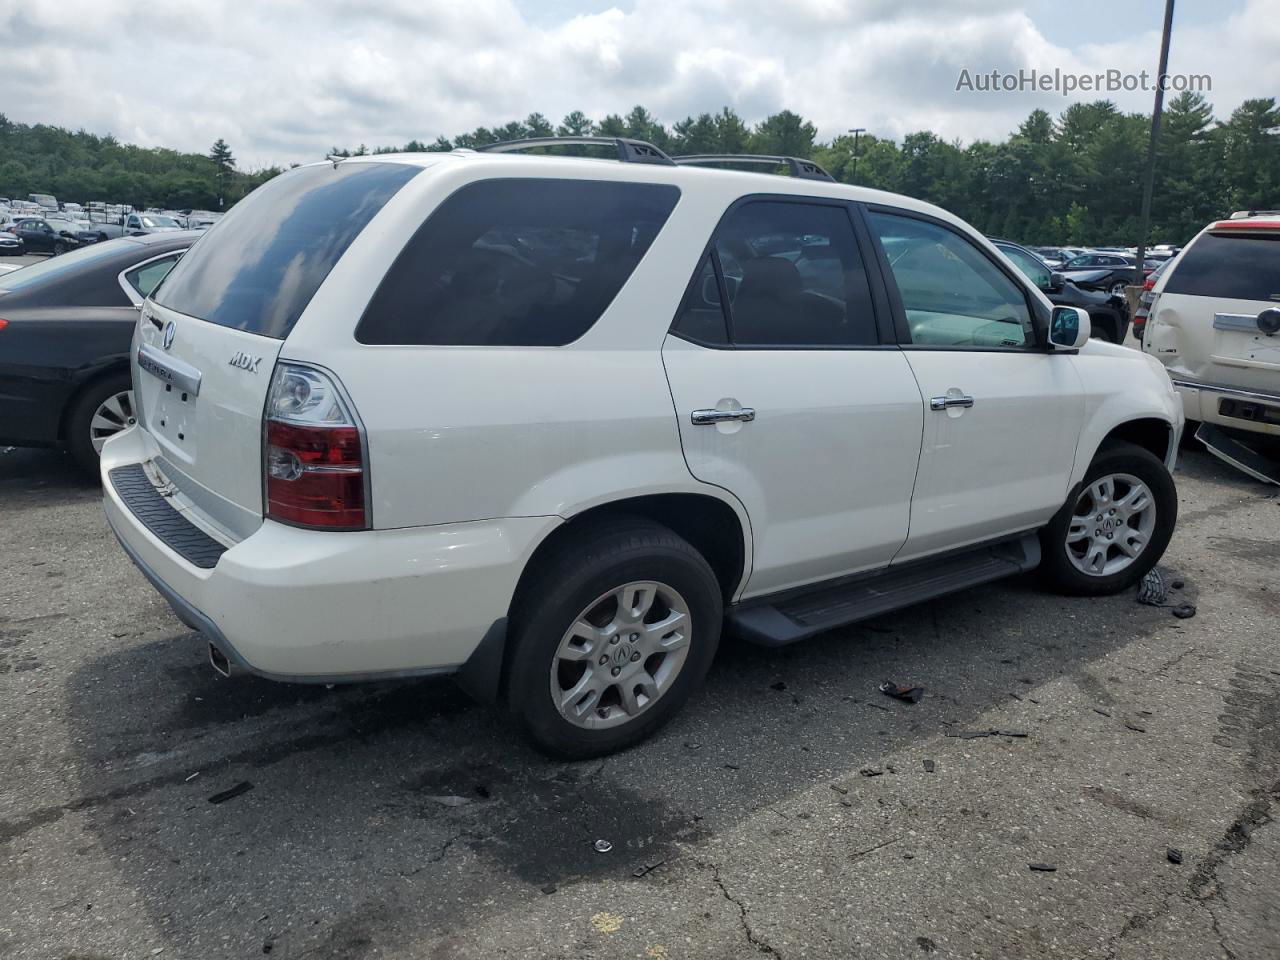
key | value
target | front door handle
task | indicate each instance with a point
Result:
(946, 403)
(701, 418)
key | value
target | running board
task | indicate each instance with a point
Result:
(1230, 450)
(797, 616)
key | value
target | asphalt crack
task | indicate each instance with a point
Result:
(1203, 887)
(761, 945)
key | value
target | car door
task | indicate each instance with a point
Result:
(37, 235)
(1002, 413)
(791, 396)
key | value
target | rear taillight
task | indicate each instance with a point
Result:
(314, 466)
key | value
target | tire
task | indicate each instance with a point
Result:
(578, 583)
(1102, 329)
(59, 248)
(1117, 460)
(81, 432)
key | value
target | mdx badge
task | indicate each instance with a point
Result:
(170, 330)
(245, 362)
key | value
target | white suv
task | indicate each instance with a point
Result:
(547, 422)
(1215, 324)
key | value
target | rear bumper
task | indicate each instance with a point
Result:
(317, 607)
(1251, 410)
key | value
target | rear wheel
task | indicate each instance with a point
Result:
(1115, 528)
(611, 638)
(102, 410)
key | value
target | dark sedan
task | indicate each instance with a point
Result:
(1111, 272)
(66, 326)
(41, 235)
(1108, 313)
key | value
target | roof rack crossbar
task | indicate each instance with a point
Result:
(798, 166)
(629, 151)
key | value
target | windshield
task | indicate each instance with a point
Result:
(152, 220)
(57, 267)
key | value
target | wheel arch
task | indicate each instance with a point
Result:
(1152, 433)
(109, 368)
(712, 524)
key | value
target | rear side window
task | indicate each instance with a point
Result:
(258, 268)
(1231, 267)
(520, 262)
(794, 276)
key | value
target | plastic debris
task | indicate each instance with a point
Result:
(549, 888)
(871, 772)
(451, 800)
(1105, 713)
(905, 694)
(244, 786)
(1184, 611)
(647, 868)
(1043, 867)
(603, 846)
(925, 944)
(929, 766)
(1151, 590)
(1174, 855)
(1135, 726)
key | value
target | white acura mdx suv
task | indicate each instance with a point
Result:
(548, 423)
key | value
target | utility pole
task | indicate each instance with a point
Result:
(855, 131)
(1149, 185)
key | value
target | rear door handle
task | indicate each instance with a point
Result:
(946, 403)
(701, 418)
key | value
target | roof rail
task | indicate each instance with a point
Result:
(799, 167)
(629, 151)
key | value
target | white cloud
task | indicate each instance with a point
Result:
(284, 80)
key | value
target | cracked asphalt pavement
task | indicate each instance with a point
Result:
(790, 811)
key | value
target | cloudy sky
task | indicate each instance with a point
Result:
(283, 80)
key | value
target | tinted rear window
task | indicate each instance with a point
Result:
(1231, 267)
(516, 263)
(258, 268)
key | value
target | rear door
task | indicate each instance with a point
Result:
(1001, 415)
(789, 395)
(1204, 322)
(210, 334)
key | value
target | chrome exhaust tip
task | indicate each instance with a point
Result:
(218, 660)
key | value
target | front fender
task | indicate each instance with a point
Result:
(1122, 386)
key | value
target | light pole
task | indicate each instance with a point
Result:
(855, 131)
(1149, 184)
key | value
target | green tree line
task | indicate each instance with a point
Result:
(1076, 178)
(81, 166)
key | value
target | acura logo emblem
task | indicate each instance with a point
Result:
(170, 329)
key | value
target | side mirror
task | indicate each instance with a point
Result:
(1056, 280)
(1069, 329)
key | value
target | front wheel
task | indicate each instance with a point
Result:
(59, 248)
(611, 638)
(1116, 527)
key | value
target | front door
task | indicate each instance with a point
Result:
(1002, 414)
(789, 396)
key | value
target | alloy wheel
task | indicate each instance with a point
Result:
(1111, 525)
(113, 415)
(621, 655)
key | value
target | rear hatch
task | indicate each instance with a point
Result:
(1208, 307)
(210, 335)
